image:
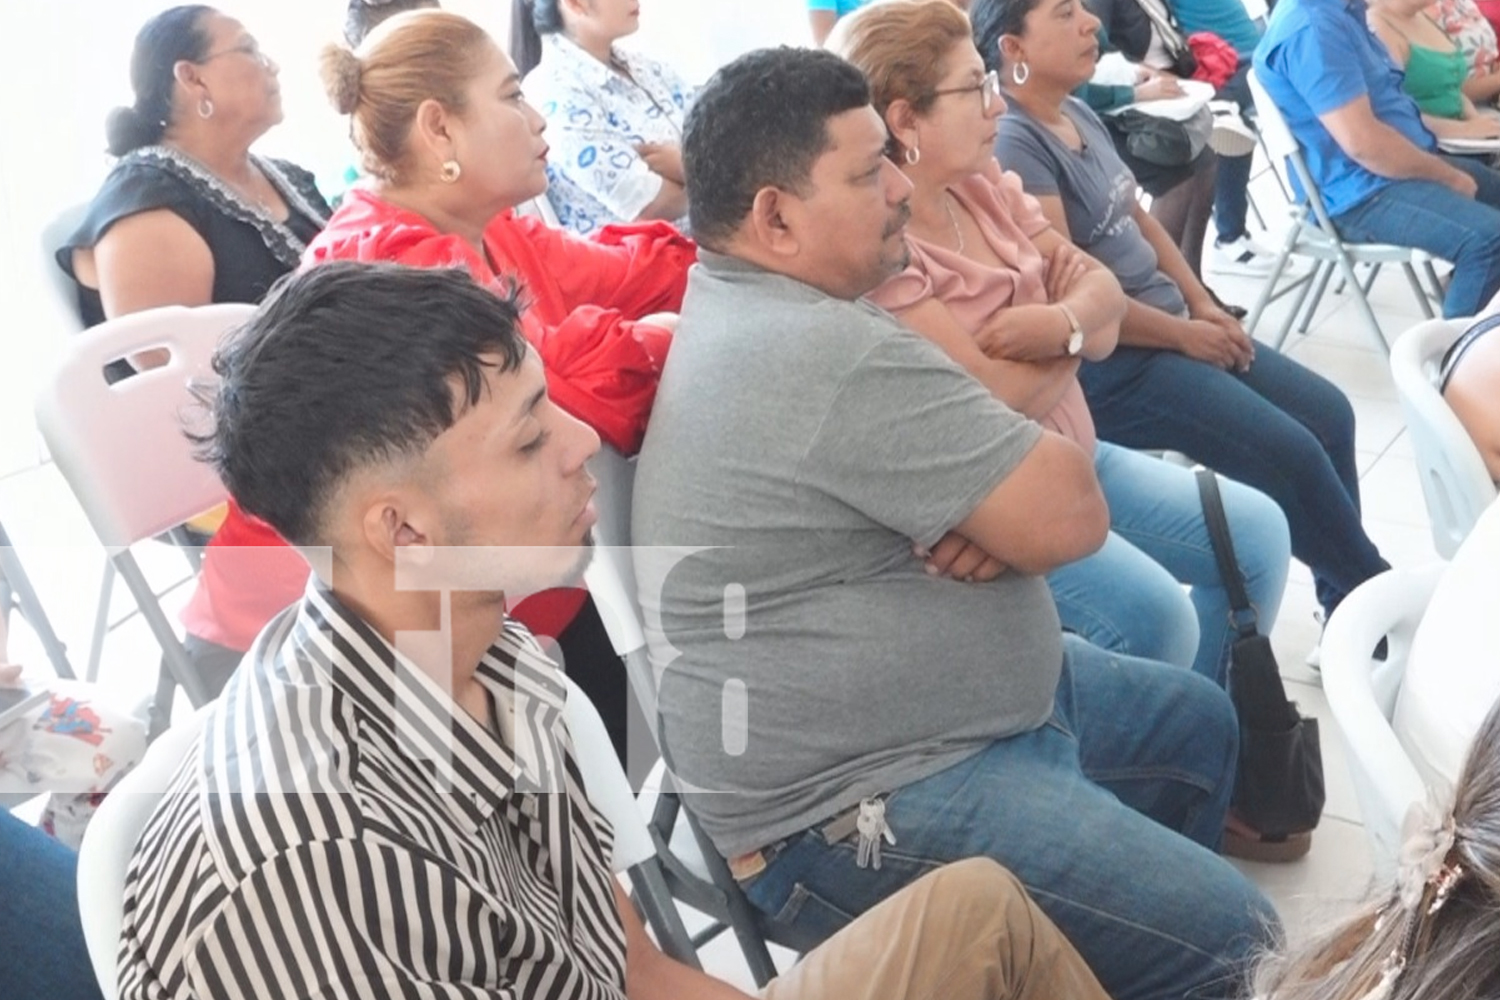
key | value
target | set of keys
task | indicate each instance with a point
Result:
(872, 829)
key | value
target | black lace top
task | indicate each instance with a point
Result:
(250, 250)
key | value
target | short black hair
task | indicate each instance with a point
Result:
(344, 366)
(761, 121)
(993, 18)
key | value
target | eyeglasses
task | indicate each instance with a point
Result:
(251, 49)
(989, 90)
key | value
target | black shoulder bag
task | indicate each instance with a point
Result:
(1278, 786)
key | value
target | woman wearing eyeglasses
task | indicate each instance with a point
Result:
(1009, 298)
(189, 215)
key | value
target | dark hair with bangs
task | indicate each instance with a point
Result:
(346, 366)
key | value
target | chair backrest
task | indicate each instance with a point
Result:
(110, 840)
(121, 446)
(1362, 694)
(610, 576)
(1282, 145)
(608, 788)
(540, 207)
(1455, 482)
(63, 289)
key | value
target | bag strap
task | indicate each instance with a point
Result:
(1241, 613)
(1165, 23)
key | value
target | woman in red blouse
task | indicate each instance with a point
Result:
(451, 147)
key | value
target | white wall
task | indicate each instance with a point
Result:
(65, 63)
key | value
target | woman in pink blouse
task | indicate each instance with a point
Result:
(993, 284)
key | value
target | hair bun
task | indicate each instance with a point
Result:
(341, 69)
(126, 129)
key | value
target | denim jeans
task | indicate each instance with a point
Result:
(1232, 185)
(42, 952)
(1108, 813)
(1127, 597)
(1438, 219)
(1278, 428)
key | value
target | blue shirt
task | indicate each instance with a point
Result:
(1316, 57)
(839, 7)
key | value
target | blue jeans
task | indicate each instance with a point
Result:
(1127, 597)
(1108, 813)
(42, 953)
(1232, 185)
(1278, 428)
(1437, 219)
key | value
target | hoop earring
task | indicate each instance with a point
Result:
(450, 171)
(205, 108)
(913, 156)
(1020, 73)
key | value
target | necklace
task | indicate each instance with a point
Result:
(957, 232)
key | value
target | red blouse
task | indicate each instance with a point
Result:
(583, 298)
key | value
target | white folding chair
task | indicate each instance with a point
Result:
(1312, 234)
(635, 854)
(61, 289)
(110, 840)
(1362, 694)
(15, 585)
(122, 449)
(694, 871)
(1455, 482)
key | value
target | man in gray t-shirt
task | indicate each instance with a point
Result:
(840, 540)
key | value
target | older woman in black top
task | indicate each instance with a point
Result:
(189, 215)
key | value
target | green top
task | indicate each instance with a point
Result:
(1435, 80)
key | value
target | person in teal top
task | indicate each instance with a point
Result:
(1435, 69)
(1225, 18)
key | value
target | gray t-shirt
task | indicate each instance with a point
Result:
(799, 445)
(1098, 194)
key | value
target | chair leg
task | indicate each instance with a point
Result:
(1268, 290)
(101, 621)
(159, 716)
(742, 914)
(1305, 285)
(16, 590)
(174, 657)
(1438, 293)
(1362, 302)
(1417, 289)
(1320, 288)
(659, 911)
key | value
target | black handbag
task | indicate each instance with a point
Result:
(1278, 787)
(1165, 142)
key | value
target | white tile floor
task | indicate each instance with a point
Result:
(64, 561)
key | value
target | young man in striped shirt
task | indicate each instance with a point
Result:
(384, 802)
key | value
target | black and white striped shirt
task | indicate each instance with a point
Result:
(343, 829)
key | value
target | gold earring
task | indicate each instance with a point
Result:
(450, 171)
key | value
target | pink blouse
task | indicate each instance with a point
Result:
(973, 292)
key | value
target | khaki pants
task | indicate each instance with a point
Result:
(967, 931)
